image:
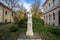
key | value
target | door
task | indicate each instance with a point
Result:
(59, 17)
(5, 20)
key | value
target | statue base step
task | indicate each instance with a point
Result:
(29, 33)
(24, 36)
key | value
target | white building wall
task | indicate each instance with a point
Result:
(8, 16)
(47, 11)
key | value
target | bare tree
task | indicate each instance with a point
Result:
(35, 6)
(11, 4)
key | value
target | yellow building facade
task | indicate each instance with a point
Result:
(5, 14)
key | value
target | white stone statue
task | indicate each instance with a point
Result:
(29, 25)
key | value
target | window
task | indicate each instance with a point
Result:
(5, 20)
(12, 14)
(49, 5)
(59, 1)
(53, 24)
(46, 7)
(53, 2)
(53, 16)
(59, 17)
(6, 13)
(46, 17)
(49, 23)
(49, 17)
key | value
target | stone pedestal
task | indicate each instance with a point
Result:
(29, 25)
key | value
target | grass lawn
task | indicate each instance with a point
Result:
(6, 34)
(12, 31)
(50, 33)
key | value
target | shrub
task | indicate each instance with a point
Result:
(13, 28)
(5, 35)
(38, 21)
(37, 24)
(22, 23)
(55, 31)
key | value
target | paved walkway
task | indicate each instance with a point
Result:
(24, 37)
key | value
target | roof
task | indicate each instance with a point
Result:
(4, 5)
(45, 2)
